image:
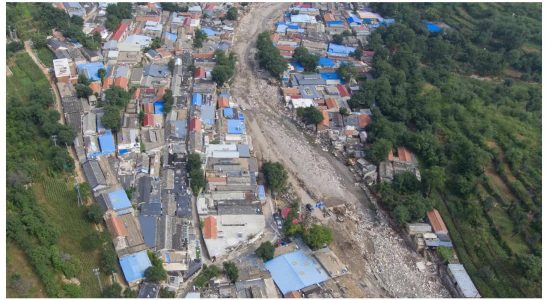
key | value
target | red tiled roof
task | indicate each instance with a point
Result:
(285, 48)
(210, 227)
(325, 121)
(95, 87)
(121, 82)
(161, 92)
(328, 17)
(203, 55)
(116, 226)
(331, 103)
(436, 221)
(404, 154)
(149, 91)
(391, 155)
(222, 102)
(195, 124)
(217, 179)
(364, 120)
(342, 90)
(117, 35)
(292, 92)
(107, 82)
(200, 72)
(293, 294)
(148, 108)
(149, 120)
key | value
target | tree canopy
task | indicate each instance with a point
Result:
(275, 175)
(317, 236)
(265, 251)
(269, 56)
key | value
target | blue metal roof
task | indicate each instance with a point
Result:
(91, 70)
(196, 99)
(261, 192)
(118, 200)
(209, 31)
(281, 28)
(294, 271)
(106, 142)
(354, 19)
(159, 107)
(171, 36)
(292, 26)
(432, 27)
(135, 265)
(298, 66)
(339, 50)
(228, 113)
(236, 126)
(334, 23)
(148, 228)
(330, 76)
(326, 62)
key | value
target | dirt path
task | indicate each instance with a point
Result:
(77, 168)
(380, 263)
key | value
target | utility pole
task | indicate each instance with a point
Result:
(96, 272)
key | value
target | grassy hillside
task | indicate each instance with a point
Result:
(45, 227)
(478, 140)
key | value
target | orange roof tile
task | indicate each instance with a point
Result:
(285, 47)
(391, 155)
(161, 92)
(436, 221)
(95, 87)
(293, 294)
(404, 154)
(107, 82)
(223, 102)
(364, 120)
(210, 227)
(325, 121)
(121, 82)
(328, 17)
(116, 226)
(203, 55)
(331, 103)
(292, 92)
(217, 179)
(148, 108)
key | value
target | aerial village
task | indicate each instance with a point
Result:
(139, 173)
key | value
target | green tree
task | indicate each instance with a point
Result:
(401, 214)
(357, 54)
(168, 101)
(222, 74)
(530, 266)
(155, 274)
(165, 293)
(112, 291)
(83, 91)
(232, 14)
(199, 38)
(108, 261)
(317, 236)
(131, 293)
(111, 119)
(337, 39)
(434, 178)
(269, 56)
(308, 61)
(102, 73)
(446, 254)
(379, 150)
(72, 291)
(94, 213)
(91, 242)
(85, 190)
(275, 175)
(347, 72)
(265, 251)
(71, 267)
(312, 115)
(231, 271)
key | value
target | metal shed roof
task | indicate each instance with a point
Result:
(134, 266)
(294, 271)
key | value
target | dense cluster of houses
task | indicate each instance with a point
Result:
(138, 174)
